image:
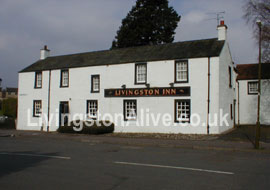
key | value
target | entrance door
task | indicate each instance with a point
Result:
(63, 113)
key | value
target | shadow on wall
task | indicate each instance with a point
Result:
(11, 162)
(265, 102)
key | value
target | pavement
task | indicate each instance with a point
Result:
(208, 142)
(38, 160)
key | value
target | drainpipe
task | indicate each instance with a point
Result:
(238, 104)
(49, 101)
(208, 98)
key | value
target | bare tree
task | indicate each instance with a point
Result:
(260, 10)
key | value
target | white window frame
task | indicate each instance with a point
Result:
(95, 83)
(37, 108)
(251, 87)
(181, 71)
(130, 110)
(64, 78)
(38, 80)
(92, 109)
(182, 111)
(140, 73)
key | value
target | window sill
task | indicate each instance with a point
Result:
(181, 81)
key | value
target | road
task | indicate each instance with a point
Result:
(51, 163)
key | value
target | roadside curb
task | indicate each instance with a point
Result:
(163, 143)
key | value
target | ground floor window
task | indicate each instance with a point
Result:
(182, 111)
(37, 108)
(130, 110)
(92, 109)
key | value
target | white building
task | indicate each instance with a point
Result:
(175, 81)
(247, 94)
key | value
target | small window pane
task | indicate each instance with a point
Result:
(95, 83)
(182, 110)
(130, 109)
(181, 71)
(37, 108)
(141, 73)
(92, 109)
(253, 87)
(65, 78)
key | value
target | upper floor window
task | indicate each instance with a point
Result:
(230, 77)
(37, 108)
(253, 87)
(92, 109)
(64, 78)
(140, 73)
(38, 80)
(181, 71)
(95, 83)
(182, 111)
(130, 110)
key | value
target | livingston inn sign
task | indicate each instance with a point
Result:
(148, 92)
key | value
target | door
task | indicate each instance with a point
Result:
(63, 113)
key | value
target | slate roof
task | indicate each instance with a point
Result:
(172, 51)
(250, 71)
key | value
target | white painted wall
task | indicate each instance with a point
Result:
(248, 103)
(160, 74)
(226, 94)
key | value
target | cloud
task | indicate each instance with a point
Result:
(73, 26)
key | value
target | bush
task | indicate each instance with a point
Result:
(7, 124)
(10, 107)
(88, 127)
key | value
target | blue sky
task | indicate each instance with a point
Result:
(71, 26)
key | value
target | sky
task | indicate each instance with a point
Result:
(73, 26)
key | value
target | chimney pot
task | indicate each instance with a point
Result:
(222, 23)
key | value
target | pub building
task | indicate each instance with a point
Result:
(178, 79)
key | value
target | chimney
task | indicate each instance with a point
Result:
(44, 53)
(222, 31)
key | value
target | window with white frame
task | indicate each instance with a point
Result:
(181, 71)
(37, 111)
(253, 87)
(95, 86)
(140, 73)
(182, 111)
(38, 80)
(64, 78)
(130, 110)
(92, 109)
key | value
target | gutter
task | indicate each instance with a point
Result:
(208, 96)
(238, 104)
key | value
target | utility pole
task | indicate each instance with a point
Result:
(258, 125)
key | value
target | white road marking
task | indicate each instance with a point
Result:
(174, 167)
(35, 155)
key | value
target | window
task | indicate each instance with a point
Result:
(92, 109)
(38, 80)
(130, 110)
(230, 77)
(140, 73)
(64, 78)
(95, 83)
(181, 71)
(37, 111)
(253, 87)
(182, 111)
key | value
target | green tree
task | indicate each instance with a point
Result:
(10, 107)
(148, 22)
(260, 10)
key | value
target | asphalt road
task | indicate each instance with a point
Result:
(49, 163)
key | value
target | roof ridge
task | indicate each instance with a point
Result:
(133, 47)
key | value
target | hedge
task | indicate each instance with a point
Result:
(97, 127)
